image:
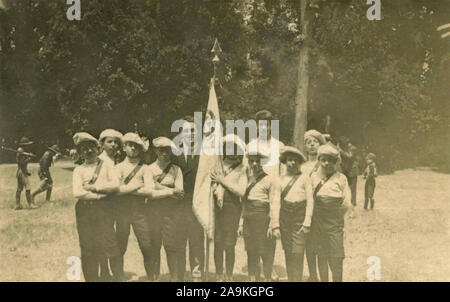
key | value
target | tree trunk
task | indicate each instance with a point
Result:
(301, 97)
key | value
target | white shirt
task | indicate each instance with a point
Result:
(104, 156)
(107, 180)
(300, 191)
(308, 167)
(336, 186)
(268, 190)
(172, 180)
(124, 168)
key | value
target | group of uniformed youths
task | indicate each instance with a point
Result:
(263, 195)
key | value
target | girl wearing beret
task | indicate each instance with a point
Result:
(164, 183)
(231, 178)
(296, 211)
(332, 198)
(261, 211)
(132, 208)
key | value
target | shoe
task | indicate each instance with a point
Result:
(32, 206)
(228, 278)
(196, 274)
(19, 207)
(220, 278)
(252, 278)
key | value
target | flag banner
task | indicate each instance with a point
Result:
(203, 202)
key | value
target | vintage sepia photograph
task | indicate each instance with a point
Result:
(224, 141)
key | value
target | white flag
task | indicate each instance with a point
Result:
(203, 202)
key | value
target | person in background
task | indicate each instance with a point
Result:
(44, 172)
(94, 182)
(332, 198)
(260, 225)
(313, 140)
(349, 164)
(192, 233)
(370, 173)
(268, 145)
(296, 211)
(22, 174)
(232, 177)
(111, 146)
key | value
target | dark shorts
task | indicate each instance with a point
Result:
(23, 181)
(164, 222)
(227, 223)
(95, 225)
(256, 225)
(292, 216)
(369, 188)
(132, 212)
(46, 180)
(327, 229)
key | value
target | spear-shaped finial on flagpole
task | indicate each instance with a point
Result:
(216, 50)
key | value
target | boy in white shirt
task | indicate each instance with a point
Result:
(93, 183)
(132, 208)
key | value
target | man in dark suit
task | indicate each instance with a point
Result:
(190, 229)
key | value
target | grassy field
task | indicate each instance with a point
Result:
(408, 231)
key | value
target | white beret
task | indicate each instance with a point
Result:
(327, 149)
(258, 153)
(162, 142)
(110, 133)
(80, 137)
(290, 150)
(133, 138)
(233, 138)
(316, 134)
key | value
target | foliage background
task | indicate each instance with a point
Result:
(144, 63)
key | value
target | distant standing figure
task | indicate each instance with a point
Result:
(22, 174)
(349, 165)
(369, 175)
(45, 162)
